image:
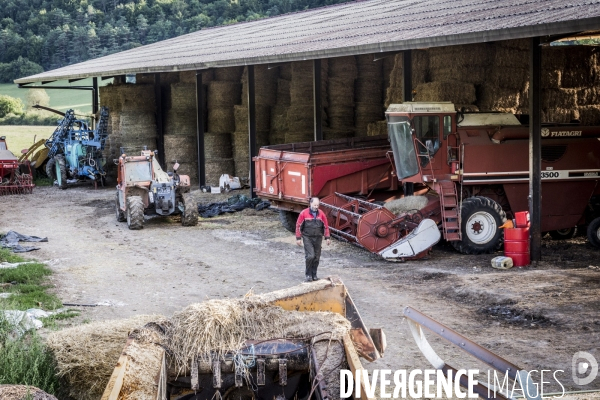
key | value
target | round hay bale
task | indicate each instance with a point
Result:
(217, 145)
(222, 94)
(279, 120)
(343, 67)
(300, 118)
(221, 120)
(215, 167)
(180, 149)
(230, 74)
(182, 123)
(377, 128)
(23, 392)
(283, 92)
(453, 91)
(138, 98)
(183, 97)
(340, 91)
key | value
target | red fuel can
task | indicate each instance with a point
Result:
(522, 219)
(516, 246)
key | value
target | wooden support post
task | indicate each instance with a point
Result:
(535, 150)
(251, 128)
(318, 104)
(200, 129)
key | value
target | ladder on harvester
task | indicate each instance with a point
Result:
(450, 210)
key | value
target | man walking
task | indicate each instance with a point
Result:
(310, 229)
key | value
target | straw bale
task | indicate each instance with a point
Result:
(466, 107)
(223, 94)
(368, 91)
(279, 121)
(241, 143)
(341, 91)
(577, 76)
(300, 118)
(87, 354)
(420, 67)
(301, 70)
(588, 96)
(138, 98)
(559, 115)
(23, 392)
(182, 123)
(369, 69)
(190, 77)
(215, 327)
(221, 120)
(276, 137)
(181, 149)
(190, 169)
(110, 97)
(407, 204)
(144, 79)
(551, 79)
(365, 110)
(230, 74)
(377, 128)
(136, 143)
(331, 356)
(396, 77)
(183, 97)
(469, 55)
(301, 92)
(589, 115)
(265, 93)
(283, 92)
(263, 118)
(553, 58)
(511, 57)
(242, 167)
(493, 98)
(388, 67)
(285, 71)
(521, 44)
(559, 98)
(454, 91)
(217, 145)
(299, 136)
(343, 67)
(394, 95)
(475, 75)
(216, 167)
(329, 133)
(509, 77)
(340, 111)
(166, 78)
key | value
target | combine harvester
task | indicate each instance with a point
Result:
(470, 170)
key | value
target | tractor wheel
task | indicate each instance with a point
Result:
(480, 219)
(50, 170)
(189, 217)
(119, 213)
(135, 212)
(593, 232)
(562, 234)
(288, 220)
(60, 170)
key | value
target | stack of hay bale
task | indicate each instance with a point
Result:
(180, 124)
(340, 90)
(265, 95)
(395, 90)
(368, 93)
(279, 123)
(300, 114)
(109, 97)
(224, 92)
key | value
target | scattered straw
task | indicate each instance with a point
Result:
(22, 392)
(406, 204)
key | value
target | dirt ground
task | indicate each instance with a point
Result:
(536, 317)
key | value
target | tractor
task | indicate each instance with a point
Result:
(144, 188)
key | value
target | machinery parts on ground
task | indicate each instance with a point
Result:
(15, 178)
(475, 167)
(272, 368)
(144, 188)
(75, 150)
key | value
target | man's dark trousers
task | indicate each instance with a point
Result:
(312, 253)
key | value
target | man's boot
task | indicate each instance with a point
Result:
(308, 278)
(314, 277)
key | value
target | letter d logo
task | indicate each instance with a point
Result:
(582, 367)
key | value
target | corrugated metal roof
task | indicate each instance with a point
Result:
(361, 27)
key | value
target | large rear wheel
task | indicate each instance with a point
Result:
(119, 213)
(593, 232)
(50, 169)
(288, 220)
(480, 219)
(135, 212)
(60, 170)
(189, 217)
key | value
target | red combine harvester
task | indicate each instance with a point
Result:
(472, 168)
(12, 180)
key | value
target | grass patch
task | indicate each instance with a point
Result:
(19, 137)
(43, 181)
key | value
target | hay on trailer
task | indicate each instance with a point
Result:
(231, 74)
(87, 354)
(589, 115)
(215, 167)
(215, 327)
(559, 98)
(221, 94)
(283, 92)
(23, 392)
(183, 97)
(454, 91)
(343, 67)
(180, 148)
(377, 128)
(221, 120)
(408, 204)
(217, 145)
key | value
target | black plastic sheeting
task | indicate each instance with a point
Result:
(233, 204)
(11, 241)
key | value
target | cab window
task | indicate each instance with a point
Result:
(427, 130)
(447, 126)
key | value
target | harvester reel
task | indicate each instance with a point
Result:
(375, 231)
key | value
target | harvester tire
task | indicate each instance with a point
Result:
(593, 232)
(563, 234)
(119, 213)
(189, 216)
(480, 219)
(50, 169)
(135, 212)
(288, 220)
(60, 169)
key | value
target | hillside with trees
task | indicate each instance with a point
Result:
(38, 35)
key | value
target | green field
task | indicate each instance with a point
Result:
(21, 137)
(61, 99)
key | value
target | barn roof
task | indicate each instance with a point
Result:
(360, 27)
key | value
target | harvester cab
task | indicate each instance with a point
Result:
(145, 188)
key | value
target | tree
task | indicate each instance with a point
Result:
(10, 105)
(17, 69)
(37, 97)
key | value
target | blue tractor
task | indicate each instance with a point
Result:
(75, 150)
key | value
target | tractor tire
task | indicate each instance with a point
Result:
(119, 213)
(480, 219)
(189, 217)
(60, 169)
(288, 220)
(50, 170)
(593, 232)
(135, 212)
(563, 234)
